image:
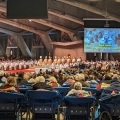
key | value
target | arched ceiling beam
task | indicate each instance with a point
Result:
(53, 25)
(30, 29)
(19, 40)
(53, 12)
(66, 16)
(7, 31)
(49, 24)
(56, 26)
(91, 9)
(56, 13)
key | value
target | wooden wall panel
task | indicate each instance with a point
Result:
(75, 51)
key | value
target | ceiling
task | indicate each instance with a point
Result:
(63, 15)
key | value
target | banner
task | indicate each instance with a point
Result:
(65, 37)
(37, 41)
(11, 43)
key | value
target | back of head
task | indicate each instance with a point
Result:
(1, 73)
(77, 86)
(11, 81)
(79, 77)
(107, 77)
(21, 74)
(26, 77)
(52, 79)
(40, 79)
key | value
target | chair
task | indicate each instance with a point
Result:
(92, 90)
(77, 107)
(24, 105)
(62, 90)
(23, 88)
(9, 105)
(110, 107)
(66, 85)
(29, 84)
(43, 103)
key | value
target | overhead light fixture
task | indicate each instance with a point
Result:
(97, 19)
(30, 20)
(117, 0)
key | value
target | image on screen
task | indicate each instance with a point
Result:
(102, 40)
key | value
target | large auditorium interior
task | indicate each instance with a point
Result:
(59, 59)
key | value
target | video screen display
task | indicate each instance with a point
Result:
(102, 40)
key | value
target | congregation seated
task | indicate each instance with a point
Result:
(70, 80)
(77, 91)
(2, 77)
(21, 80)
(53, 82)
(32, 79)
(105, 83)
(81, 78)
(92, 81)
(114, 87)
(40, 84)
(10, 85)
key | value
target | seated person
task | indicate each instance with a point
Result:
(10, 85)
(106, 82)
(70, 80)
(32, 80)
(40, 84)
(77, 91)
(21, 80)
(53, 82)
(81, 78)
(2, 77)
(114, 88)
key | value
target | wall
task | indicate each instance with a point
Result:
(75, 51)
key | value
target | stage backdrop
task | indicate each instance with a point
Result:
(72, 50)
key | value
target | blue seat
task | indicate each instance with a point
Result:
(43, 102)
(110, 106)
(23, 88)
(9, 104)
(24, 105)
(66, 85)
(29, 84)
(62, 90)
(92, 90)
(78, 107)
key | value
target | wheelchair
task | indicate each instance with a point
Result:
(110, 107)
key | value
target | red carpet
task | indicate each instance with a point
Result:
(23, 70)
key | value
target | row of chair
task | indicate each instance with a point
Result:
(48, 103)
(43, 102)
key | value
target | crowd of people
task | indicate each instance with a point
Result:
(99, 74)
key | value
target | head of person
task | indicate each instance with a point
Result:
(100, 35)
(40, 79)
(21, 74)
(1, 73)
(77, 86)
(96, 37)
(107, 77)
(52, 79)
(11, 81)
(106, 34)
(79, 77)
(26, 77)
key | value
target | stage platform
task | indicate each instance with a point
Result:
(22, 70)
